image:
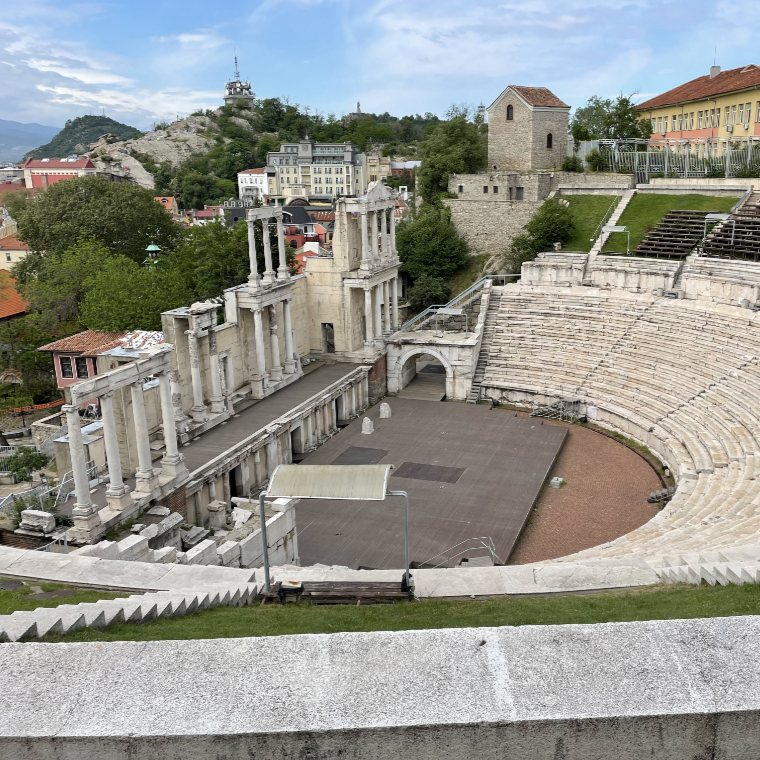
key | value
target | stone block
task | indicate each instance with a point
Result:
(37, 521)
(217, 515)
(133, 548)
(385, 411)
(368, 427)
(159, 511)
(229, 554)
(166, 555)
(203, 554)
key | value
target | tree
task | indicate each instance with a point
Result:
(609, 119)
(552, 223)
(25, 462)
(428, 290)
(429, 244)
(452, 147)
(120, 216)
(126, 296)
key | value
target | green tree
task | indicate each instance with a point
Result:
(452, 147)
(429, 244)
(121, 216)
(604, 118)
(552, 223)
(25, 462)
(428, 290)
(126, 296)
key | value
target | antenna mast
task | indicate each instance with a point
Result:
(237, 73)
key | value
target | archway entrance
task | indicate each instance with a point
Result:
(423, 377)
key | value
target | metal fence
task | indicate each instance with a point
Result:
(424, 317)
(43, 493)
(482, 546)
(683, 159)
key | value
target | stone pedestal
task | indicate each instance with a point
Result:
(217, 515)
(120, 501)
(257, 386)
(84, 526)
(36, 522)
(368, 427)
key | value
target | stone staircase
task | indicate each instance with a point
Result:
(488, 330)
(738, 565)
(138, 608)
(596, 249)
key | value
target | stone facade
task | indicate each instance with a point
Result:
(523, 134)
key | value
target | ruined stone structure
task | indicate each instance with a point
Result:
(527, 130)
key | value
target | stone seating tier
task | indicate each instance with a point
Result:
(680, 376)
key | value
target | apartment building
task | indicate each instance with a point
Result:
(324, 170)
(721, 104)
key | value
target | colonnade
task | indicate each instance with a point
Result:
(378, 237)
(379, 322)
(259, 460)
(146, 477)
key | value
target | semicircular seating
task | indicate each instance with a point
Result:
(680, 376)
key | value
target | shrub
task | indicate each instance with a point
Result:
(428, 290)
(26, 461)
(748, 173)
(572, 164)
(596, 161)
(715, 172)
(47, 504)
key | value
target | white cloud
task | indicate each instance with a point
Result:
(85, 75)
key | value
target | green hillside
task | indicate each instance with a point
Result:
(79, 133)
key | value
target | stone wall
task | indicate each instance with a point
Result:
(489, 227)
(553, 122)
(667, 689)
(509, 141)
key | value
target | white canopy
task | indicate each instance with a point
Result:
(360, 481)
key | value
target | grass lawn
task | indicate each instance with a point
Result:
(659, 603)
(11, 601)
(587, 212)
(646, 210)
(470, 273)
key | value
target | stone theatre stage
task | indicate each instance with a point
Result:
(470, 472)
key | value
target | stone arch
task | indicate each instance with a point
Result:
(414, 351)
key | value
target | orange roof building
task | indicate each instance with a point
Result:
(12, 305)
(12, 250)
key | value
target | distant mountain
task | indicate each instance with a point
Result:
(16, 138)
(78, 133)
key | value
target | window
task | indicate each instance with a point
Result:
(733, 115)
(549, 141)
(654, 124)
(748, 114)
(460, 188)
(519, 193)
(510, 113)
(717, 117)
(67, 368)
(8, 256)
(496, 188)
(680, 123)
(511, 189)
(81, 364)
(726, 117)
(659, 123)
(757, 118)
(691, 120)
(485, 188)
(699, 119)
(741, 113)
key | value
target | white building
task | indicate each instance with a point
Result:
(252, 184)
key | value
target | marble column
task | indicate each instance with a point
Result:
(85, 513)
(393, 230)
(117, 494)
(283, 273)
(378, 324)
(273, 455)
(309, 432)
(269, 273)
(386, 307)
(369, 332)
(393, 287)
(290, 362)
(275, 371)
(198, 409)
(226, 489)
(259, 379)
(366, 260)
(373, 237)
(173, 463)
(383, 234)
(352, 396)
(180, 420)
(145, 477)
(217, 400)
(253, 277)
(365, 391)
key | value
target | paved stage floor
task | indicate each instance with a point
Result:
(487, 471)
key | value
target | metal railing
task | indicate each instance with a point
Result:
(415, 323)
(607, 214)
(58, 545)
(482, 543)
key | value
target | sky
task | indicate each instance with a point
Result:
(146, 60)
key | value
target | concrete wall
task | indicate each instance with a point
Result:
(670, 689)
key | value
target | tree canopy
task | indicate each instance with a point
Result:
(552, 223)
(118, 215)
(457, 146)
(605, 118)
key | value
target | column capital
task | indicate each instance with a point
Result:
(107, 394)
(68, 408)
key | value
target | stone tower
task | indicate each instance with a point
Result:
(527, 130)
(236, 89)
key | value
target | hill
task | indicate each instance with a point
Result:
(17, 138)
(77, 135)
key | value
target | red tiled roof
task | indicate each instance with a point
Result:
(11, 303)
(165, 200)
(58, 163)
(12, 243)
(12, 187)
(89, 342)
(704, 87)
(539, 97)
(252, 171)
(324, 216)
